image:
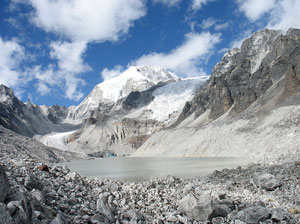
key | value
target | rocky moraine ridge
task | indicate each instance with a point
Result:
(32, 192)
(243, 97)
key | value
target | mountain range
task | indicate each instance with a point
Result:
(248, 107)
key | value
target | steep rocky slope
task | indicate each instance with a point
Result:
(250, 105)
(120, 114)
(128, 123)
(29, 119)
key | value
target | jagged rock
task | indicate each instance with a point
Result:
(104, 208)
(4, 184)
(5, 217)
(22, 212)
(292, 31)
(38, 195)
(72, 176)
(200, 209)
(279, 215)
(32, 183)
(58, 220)
(254, 214)
(20, 200)
(266, 181)
(134, 216)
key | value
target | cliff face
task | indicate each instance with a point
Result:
(26, 118)
(244, 75)
(245, 107)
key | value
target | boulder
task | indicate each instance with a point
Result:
(5, 215)
(104, 208)
(32, 183)
(44, 168)
(279, 215)
(200, 209)
(254, 214)
(4, 185)
(58, 220)
(134, 215)
(19, 203)
(20, 212)
(266, 181)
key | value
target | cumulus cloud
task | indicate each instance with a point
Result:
(168, 3)
(285, 15)
(281, 14)
(254, 9)
(78, 22)
(186, 59)
(110, 73)
(198, 4)
(11, 55)
(69, 56)
(93, 20)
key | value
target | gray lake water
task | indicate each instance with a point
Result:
(133, 169)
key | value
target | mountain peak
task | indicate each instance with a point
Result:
(135, 78)
(5, 93)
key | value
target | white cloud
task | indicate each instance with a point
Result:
(110, 73)
(69, 56)
(11, 54)
(186, 59)
(207, 23)
(285, 15)
(93, 20)
(254, 9)
(282, 14)
(222, 26)
(79, 22)
(213, 23)
(168, 3)
(198, 4)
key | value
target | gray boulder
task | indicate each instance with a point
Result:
(253, 214)
(134, 216)
(104, 208)
(279, 215)
(20, 207)
(200, 209)
(32, 183)
(5, 215)
(58, 220)
(4, 185)
(266, 181)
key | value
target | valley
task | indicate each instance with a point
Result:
(247, 110)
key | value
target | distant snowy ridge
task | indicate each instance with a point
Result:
(135, 78)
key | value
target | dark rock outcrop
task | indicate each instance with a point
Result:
(266, 59)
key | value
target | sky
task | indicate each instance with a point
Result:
(56, 51)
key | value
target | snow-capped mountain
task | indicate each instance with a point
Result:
(252, 94)
(107, 93)
(249, 107)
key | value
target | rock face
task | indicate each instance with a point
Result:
(28, 119)
(241, 77)
(251, 98)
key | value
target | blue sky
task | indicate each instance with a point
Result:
(56, 51)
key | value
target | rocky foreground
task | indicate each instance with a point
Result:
(31, 192)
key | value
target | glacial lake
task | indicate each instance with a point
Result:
(137, 169)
